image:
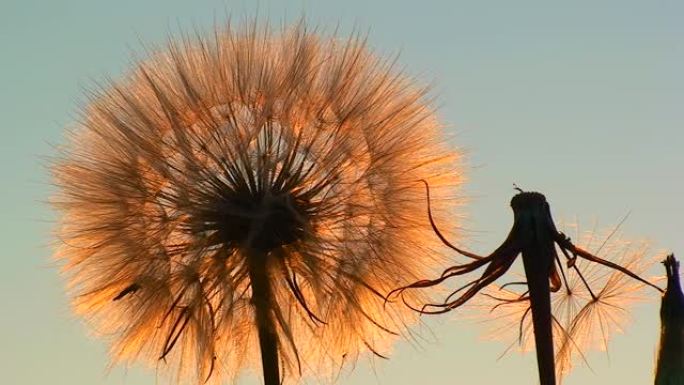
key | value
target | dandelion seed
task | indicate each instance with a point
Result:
(251, 192)
(534, 235)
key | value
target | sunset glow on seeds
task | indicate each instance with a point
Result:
(251, 187)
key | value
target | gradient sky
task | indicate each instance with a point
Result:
(582, 101)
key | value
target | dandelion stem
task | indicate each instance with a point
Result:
(262, 298)
(541, 320)
(532, 223)
(670, 365)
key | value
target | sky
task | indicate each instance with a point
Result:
(579, 100)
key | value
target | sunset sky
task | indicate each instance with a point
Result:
(580, 101)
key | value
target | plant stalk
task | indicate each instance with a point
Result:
(670, 364)
(533, 225)
(540, 302)
(262, 300)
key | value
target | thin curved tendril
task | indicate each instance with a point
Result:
(175, 332)
(372, 349)
(579, 273)
(560, 266)
(288, 334)
(520, 325)
(564, 242)
(211, 369)
(439, 233)
(291, 280)
(505, 285)
(505, 301)
(130, 289)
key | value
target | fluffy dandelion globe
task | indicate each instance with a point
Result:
(251, 192)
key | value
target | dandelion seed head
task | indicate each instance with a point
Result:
(297, 152)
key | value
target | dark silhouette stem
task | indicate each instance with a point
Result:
(670, 365)
(262, 300)
(533, 224)
(540, 302)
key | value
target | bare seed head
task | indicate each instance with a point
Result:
(583, 320)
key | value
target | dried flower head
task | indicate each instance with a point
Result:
(251, 190)
(585, 316)
(535, 238)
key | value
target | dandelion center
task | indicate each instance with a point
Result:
(262, 221)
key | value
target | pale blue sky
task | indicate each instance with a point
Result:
(580, 100)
